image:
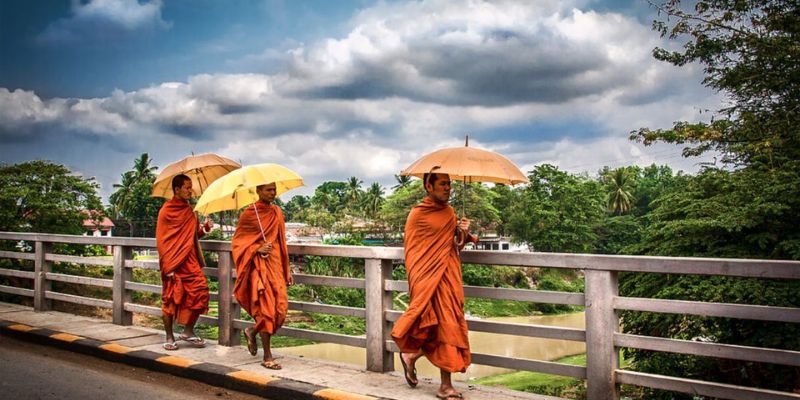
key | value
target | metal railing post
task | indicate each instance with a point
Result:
(120, 294)
(602, 358)
(378, 300)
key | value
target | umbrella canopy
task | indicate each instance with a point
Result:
(202, 169)
(468, 164)
(238, 188)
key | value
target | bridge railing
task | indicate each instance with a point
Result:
(601, 301)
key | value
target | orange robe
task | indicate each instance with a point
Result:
(185, 294)
(434, 321)
(261, 282)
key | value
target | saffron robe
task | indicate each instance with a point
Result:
(434, 321)
(184, 295)
(261, 282)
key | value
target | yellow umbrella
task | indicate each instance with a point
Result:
(202, 169)
(238, 188)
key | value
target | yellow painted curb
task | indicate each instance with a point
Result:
(20, 327)
(116, 348)
(65, 337)
(333, 394)
(252, 377)
(177, 361)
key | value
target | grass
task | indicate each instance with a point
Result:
(539, 383)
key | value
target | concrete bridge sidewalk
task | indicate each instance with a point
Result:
(230, 367)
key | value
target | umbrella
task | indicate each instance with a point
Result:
(238, 188)
(202, 169)
(467, 164)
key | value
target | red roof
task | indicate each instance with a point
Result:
(102, 223)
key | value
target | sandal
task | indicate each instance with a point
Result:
(451, 395)
(252, 346)
(170, 346)
(409, 379)
(271, 364)
(195, 341)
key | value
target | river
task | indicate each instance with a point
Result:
(480, 342)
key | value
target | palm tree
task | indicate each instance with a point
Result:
(353, 191)
(619, 198)
(121, 198)
(142, 169)
(402, 181)
(373, 200)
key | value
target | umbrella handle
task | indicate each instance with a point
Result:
(260, 228)
(460, 238)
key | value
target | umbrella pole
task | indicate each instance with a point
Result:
(464, 199)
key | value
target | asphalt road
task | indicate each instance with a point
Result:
(31, 371)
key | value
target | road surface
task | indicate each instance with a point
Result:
(31, 371)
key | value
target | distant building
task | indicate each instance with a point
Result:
(96, 225)
(301, 233)
(495, 242)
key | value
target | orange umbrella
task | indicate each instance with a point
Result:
(468, 164)
(201, 169)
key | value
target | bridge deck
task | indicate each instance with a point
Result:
(316, 372)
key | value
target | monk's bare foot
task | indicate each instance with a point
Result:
(448, 392)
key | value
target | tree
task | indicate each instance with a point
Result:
(618, 182)
(557, 212)
(478, 206)
(650, 183)
(40, 196)
(503, 199)
(398, 204)
(749, 52)
(749, 209)
(373, 200)
(330, 195)
(132, 203)
(353, 193)
(142, 169)
(295, 208)
(402, 181)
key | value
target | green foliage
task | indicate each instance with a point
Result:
(616, 234)
(620, 201)
(133, 208)
(294, 209)
(397, 206)
(557, 212)
(502, 200)
(39, 196)
(753, 212)
(748, 51)
(330, 196)
(493, 276)
(750, 209)
(373, 200)
(478, 206)
(560, 281)
(719, 330)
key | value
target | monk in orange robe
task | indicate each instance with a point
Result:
(434, 324)
(184, 294)
(262, 270)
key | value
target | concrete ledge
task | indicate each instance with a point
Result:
(209, 373)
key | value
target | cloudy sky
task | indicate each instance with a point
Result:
(334, 89)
